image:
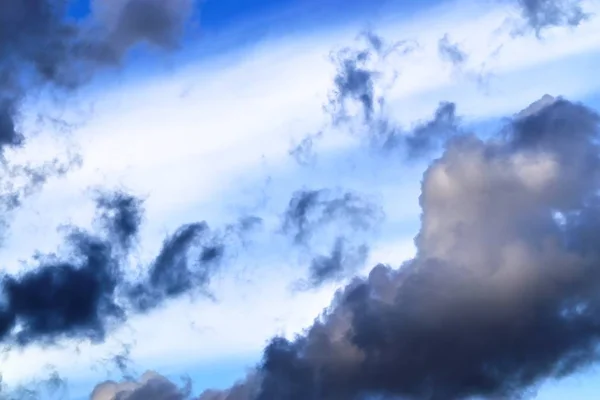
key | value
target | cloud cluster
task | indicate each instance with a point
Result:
(87, 292)
(503, 290)
(501, 295)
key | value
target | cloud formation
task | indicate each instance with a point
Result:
(87, 292)
(501, 294)
(344, 261)
(41, 47)
(310, 210)
(543, 14)
(505, 252)
(151, 385)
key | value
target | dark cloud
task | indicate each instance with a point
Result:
(86, 293)
(421, 139)
(120, 215)
(343, 262)
(128, 22)
(41, 47)
(176, 270)
(357, 75)
(542, 14)
(309, 210)
(63, 298)
(186, 262)
(502, 294)
(355, 83)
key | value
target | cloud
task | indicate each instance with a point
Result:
(543, 14)
(442, 141)
(41, 47)
(451, 52)
(88, 293)
(493, 261)
(359, 72)
(344, 261)
(309, 210)
(73, 297)
(120, 214)
(19, 182)
(150, 386)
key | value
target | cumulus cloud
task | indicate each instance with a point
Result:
(501, 293)
(151, 385)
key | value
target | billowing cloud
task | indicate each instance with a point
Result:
(501, 295)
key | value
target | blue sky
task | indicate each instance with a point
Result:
(204, 134)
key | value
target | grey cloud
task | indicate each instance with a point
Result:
(128, 22)
(40, 47)
(85, 292)
(151, 386)
(542, 14)
(501, 295)
(421, 139)
(356, 77)
(309, 210)
(343, 262)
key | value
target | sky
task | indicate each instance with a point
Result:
(300, 200)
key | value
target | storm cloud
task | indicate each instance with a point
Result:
(501, 295)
